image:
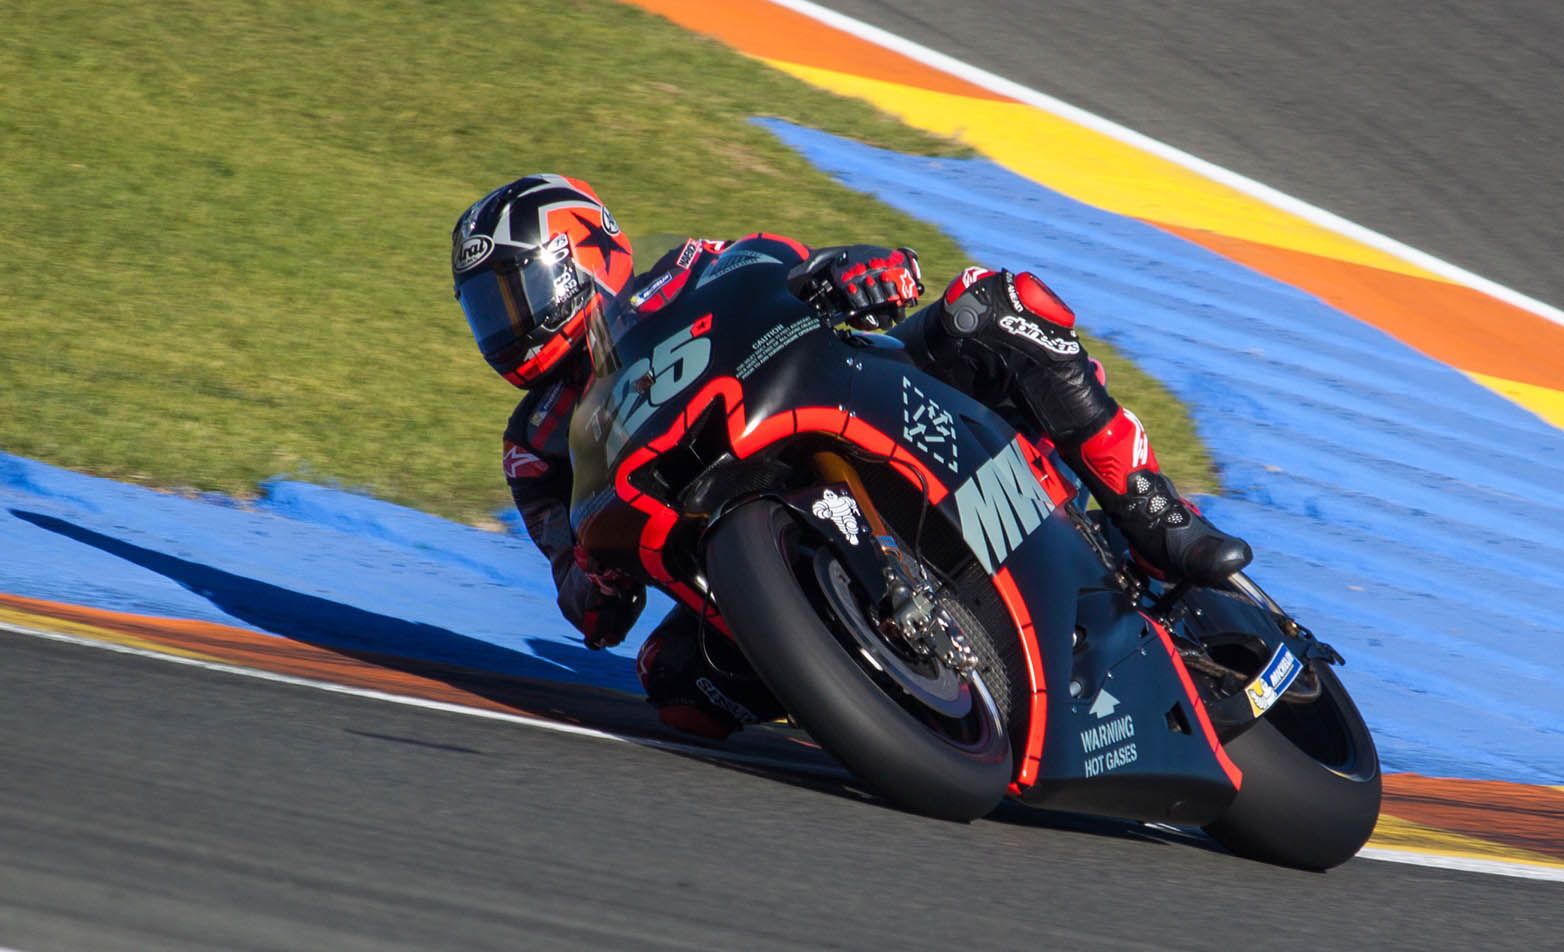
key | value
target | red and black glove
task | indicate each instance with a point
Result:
(609, 603)
(869, 285)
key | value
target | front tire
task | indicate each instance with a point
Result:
(1311, 789)
(760, 578)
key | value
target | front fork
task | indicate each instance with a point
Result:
(899, 589)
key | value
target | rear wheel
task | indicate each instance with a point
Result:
(1311, 789)
(925, 737)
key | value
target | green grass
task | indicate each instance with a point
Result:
(225, 241)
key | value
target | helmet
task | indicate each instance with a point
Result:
(531, 260)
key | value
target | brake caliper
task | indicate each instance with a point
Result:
(914, 616)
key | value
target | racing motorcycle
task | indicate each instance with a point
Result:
(922, 588)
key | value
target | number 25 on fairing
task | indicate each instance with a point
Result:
(673, 365)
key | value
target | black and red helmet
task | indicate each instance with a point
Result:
(530, 261)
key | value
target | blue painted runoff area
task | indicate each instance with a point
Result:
(1405, 514)
(320, 565)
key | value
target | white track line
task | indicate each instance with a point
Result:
(1464, 864)
(1265, 193)
(405, 700)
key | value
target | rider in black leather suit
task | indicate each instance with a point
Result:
(534, 256)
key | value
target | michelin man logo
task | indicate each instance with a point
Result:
(842, 510)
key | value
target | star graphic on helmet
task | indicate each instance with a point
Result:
(599, 238)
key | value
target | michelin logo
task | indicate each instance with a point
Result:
(1000, 506)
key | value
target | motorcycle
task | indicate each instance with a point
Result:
(922, 588)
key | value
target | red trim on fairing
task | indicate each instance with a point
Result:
(799, 248)
(1043, 468)
(1032, 757)
(1234, 775)
(666, 293)
(747, 441)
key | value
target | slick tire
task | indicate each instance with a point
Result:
(751, 571)
(1292, 809)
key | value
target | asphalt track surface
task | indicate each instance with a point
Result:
(146, 805)
(1439, 124)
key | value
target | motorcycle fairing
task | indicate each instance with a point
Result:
(1052, 582)
(773, 376)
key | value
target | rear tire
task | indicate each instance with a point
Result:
(753, 570)
(1311, 788)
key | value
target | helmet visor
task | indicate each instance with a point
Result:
(523, 300)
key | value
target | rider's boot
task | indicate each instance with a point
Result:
(1166, 532)
(703, 689)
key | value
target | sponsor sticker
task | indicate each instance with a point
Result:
(715, 695)
(471, 253)
(647, 293)
(1279, 674)
(1015, 297)
(840, 509)
(1000, 506)
(610, 225)
(687, 254)
(1018, 326)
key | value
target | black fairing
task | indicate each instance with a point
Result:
(641, 438)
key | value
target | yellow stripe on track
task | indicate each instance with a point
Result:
(1399, 834)
(1543, 401)
(36, 622)
(1096, 169)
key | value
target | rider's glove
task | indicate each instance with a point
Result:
(1017, 311)
(874, 284)
(611, 603)
(878, 283)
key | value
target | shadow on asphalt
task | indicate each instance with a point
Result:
(529, 685)
(561, 686)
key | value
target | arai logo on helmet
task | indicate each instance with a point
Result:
(471, 253)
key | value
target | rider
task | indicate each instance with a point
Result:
(532, 259)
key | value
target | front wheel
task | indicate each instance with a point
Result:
(1311, 788)
(926, 739)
